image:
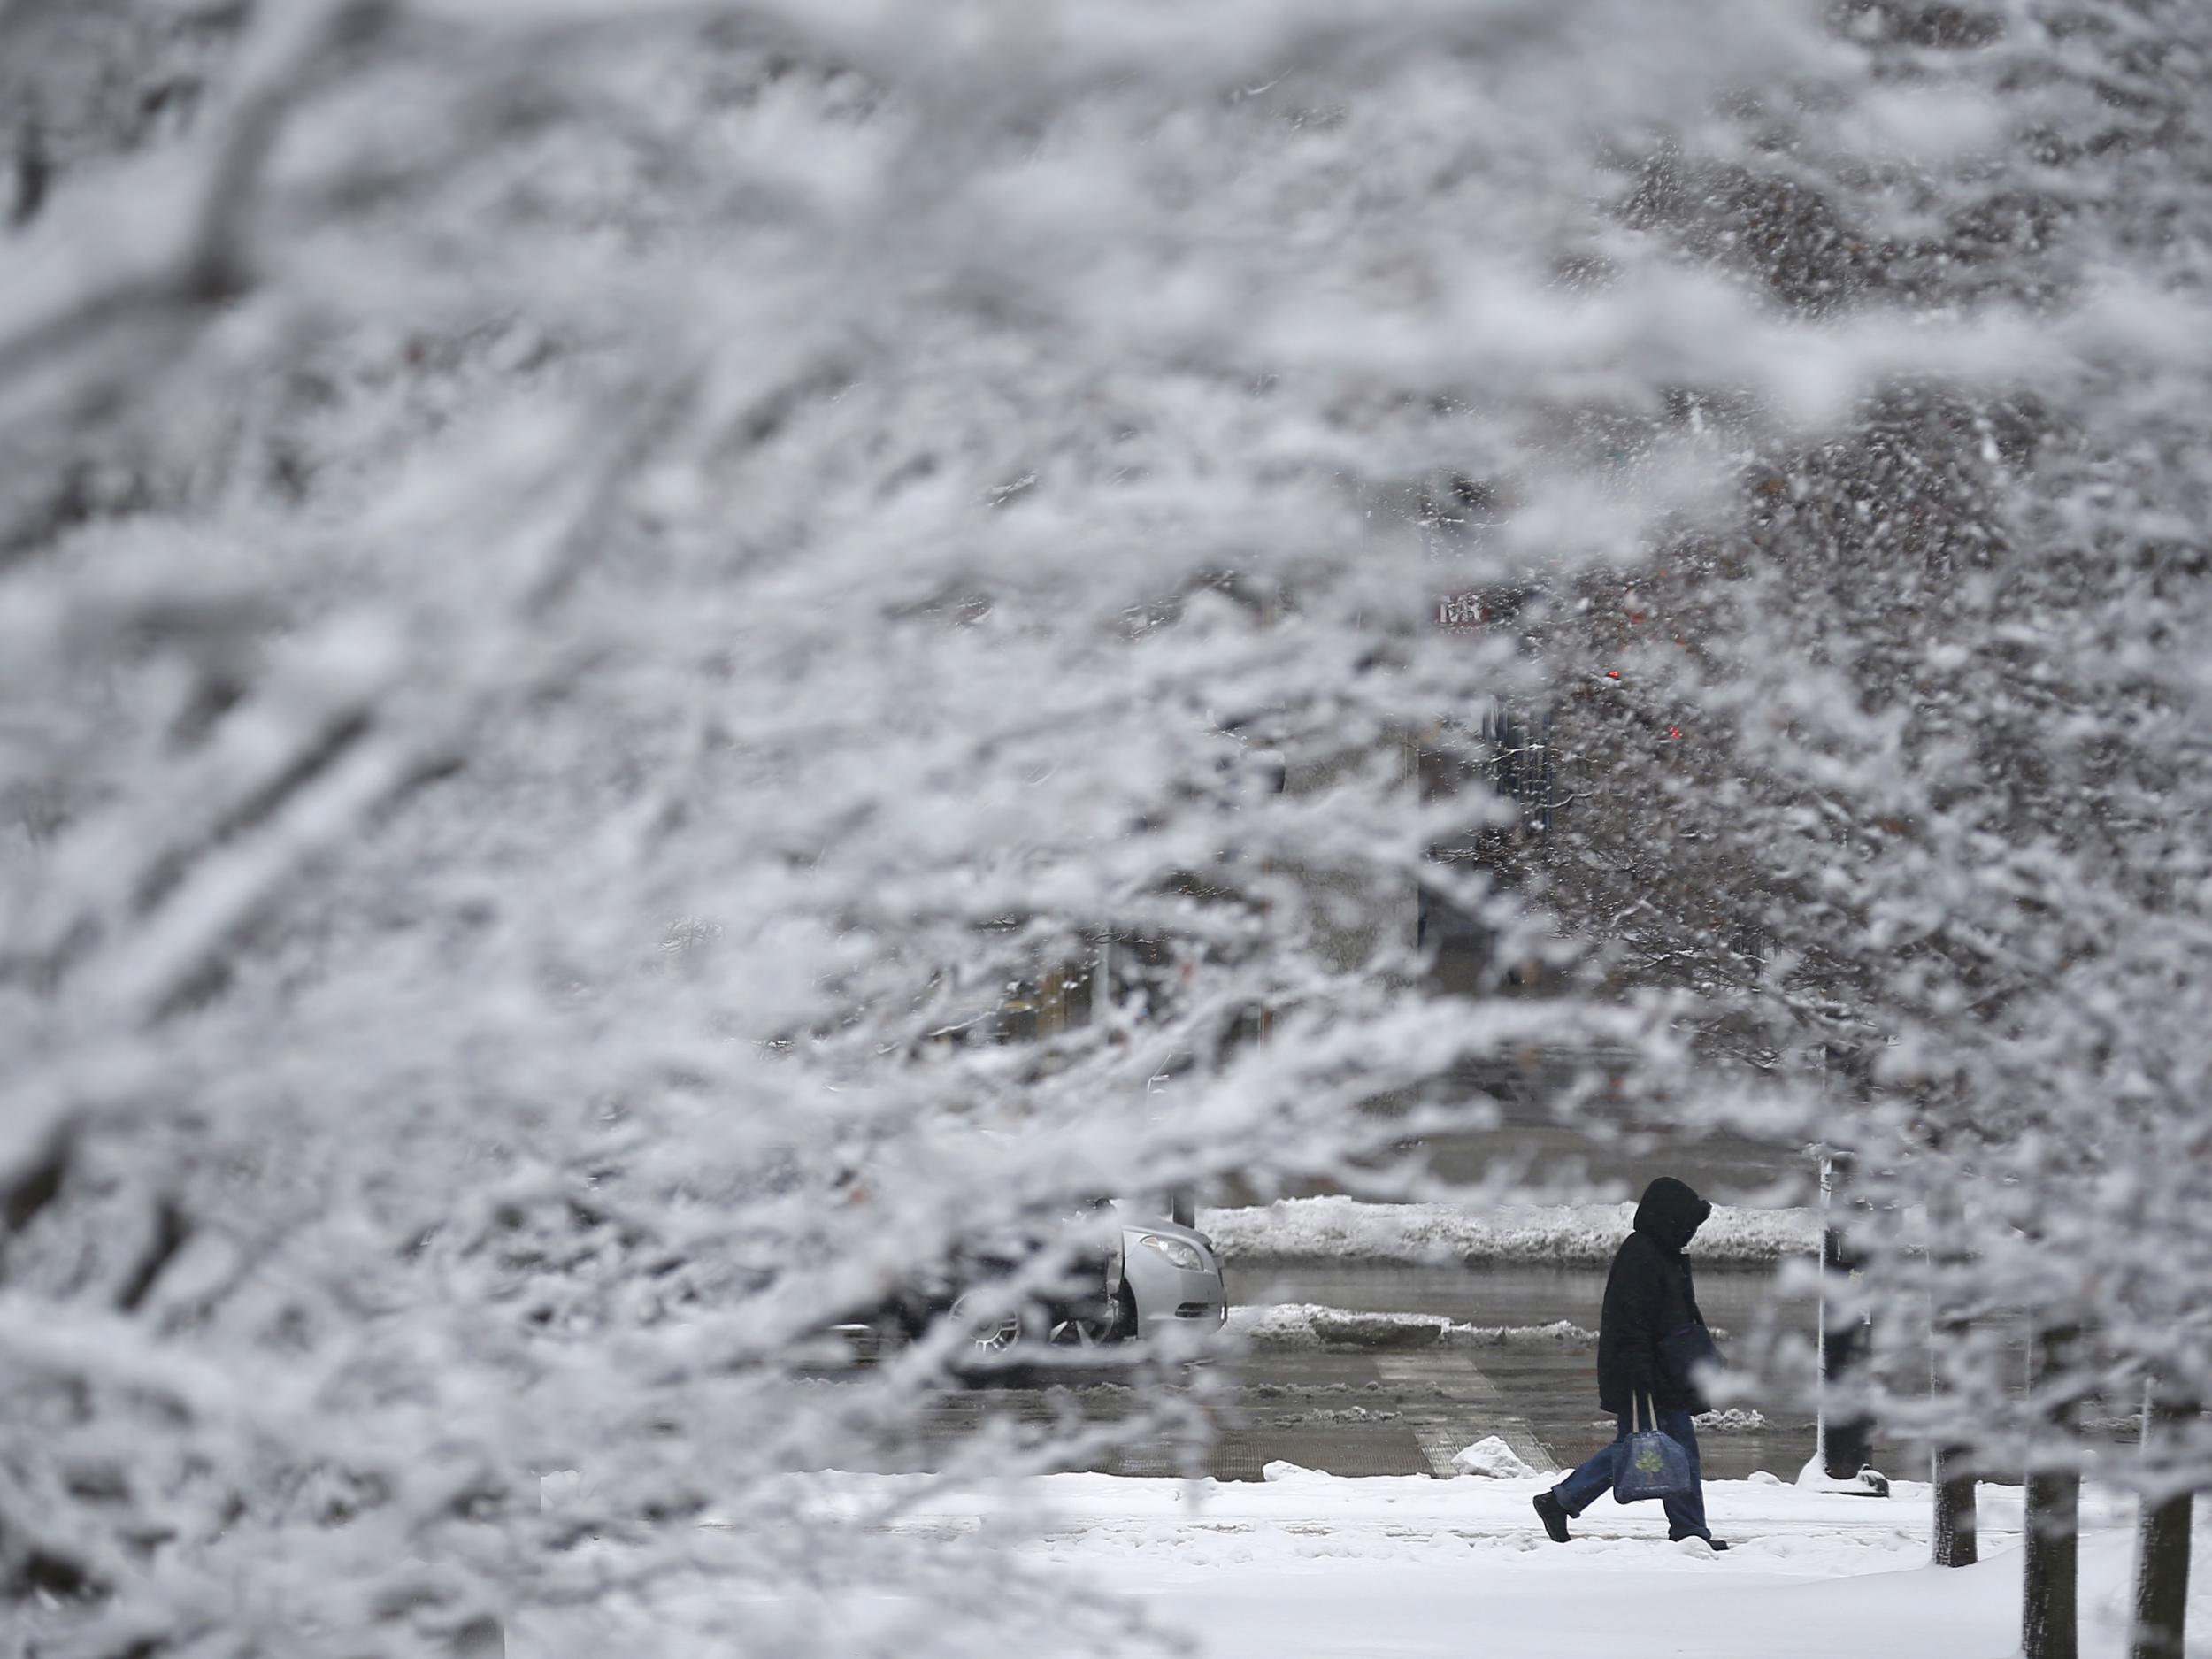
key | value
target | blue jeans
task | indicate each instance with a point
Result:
(1685, 1513)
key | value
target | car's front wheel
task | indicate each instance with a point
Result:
(990, 1335)
(1112, 1321)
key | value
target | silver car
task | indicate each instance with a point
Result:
(1152, 1275)
(1170, 1278)
(1163, 1276)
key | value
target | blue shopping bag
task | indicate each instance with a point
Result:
(1650, 1464)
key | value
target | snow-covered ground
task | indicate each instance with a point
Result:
(1312, 1566)
(1315, 1566)
(1345, 1229)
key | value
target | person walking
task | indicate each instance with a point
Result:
(1651, 1342)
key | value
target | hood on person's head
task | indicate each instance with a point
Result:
(1669, 1213)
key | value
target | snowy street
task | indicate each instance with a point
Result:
(1308, 1566)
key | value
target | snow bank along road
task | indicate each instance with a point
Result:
(1346, 1230)
(1310, 1566)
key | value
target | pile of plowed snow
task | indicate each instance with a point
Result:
(1308, 1325)
(1346, 1230)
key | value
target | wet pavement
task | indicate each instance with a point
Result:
(1361, 1411)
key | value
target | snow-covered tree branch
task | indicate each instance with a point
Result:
(591, 594)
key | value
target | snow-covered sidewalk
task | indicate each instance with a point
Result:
(1311, 1566)
(1347, 1230)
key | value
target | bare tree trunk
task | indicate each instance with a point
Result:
(1953, 1525)
(2047, 1623)
(2161, 1567)
(1846, 1444)
(2049, 1627)
(1956, 1520)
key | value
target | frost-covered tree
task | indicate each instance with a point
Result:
(584, 587)
(584, 583)
(1944, 669)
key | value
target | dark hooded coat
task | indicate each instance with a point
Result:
(1651, 1336)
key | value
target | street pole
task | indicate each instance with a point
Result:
(1841, 1451)
(1846, 1446)
(1820, 1381)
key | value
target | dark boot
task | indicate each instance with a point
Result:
(1553, 1514)
(1710, 1541)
